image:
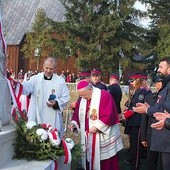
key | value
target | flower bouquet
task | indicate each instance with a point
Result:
(38, 141)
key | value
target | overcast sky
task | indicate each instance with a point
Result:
(142, 7)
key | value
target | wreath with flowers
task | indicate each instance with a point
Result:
(39, 141)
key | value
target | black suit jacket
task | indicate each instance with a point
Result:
(116, 93)
(101, 86)
(139, 96)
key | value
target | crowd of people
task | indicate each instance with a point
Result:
(146, 115)
(97, 113)
(69, 77)
(21, 76)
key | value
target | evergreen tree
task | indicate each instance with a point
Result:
(98, 31)
(39, 42)
(159, 12)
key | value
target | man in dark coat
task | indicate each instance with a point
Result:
(115, 90)
(96, 79)
(160, 138)
(146, 130)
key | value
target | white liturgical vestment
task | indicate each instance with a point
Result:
(40, 90)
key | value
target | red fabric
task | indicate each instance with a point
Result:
(16, 98)
(114, 77)
(14, 115)
(68, 78)
(93, 150)
(46, 126)
(112, 163)
(19, 95)
(66, 152)
(55, 165)
(108, 164)
(82, 84)
(128, 114)
(109, 116)
(54, 134)
(95, 71)
(107, 111)
(134, 76)
(84, 74)
(28, 102)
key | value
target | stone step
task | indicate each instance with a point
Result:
(7, 138)
(27, 165)
(35, 165)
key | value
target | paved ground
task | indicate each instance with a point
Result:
(123, 156)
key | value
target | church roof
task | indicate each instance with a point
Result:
(18, 16)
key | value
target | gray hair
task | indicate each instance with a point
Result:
(51, 60)
(89, 86)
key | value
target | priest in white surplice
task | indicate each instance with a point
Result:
(40, 86)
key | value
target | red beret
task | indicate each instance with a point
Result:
(134, 76)
(84, 73)
(144, 76)
(114, 76)
(95, 71)
(82, 84)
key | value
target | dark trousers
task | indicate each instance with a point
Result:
(165, 160)
(152, 159)
(135, 147)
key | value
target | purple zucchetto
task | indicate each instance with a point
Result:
(82, 84)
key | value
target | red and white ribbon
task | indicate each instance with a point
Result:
(55, 165)
(67, 158)
(67, 152)
(19, 101)
(47, 126)
(91, 145)
(15, 94)
(54, 134)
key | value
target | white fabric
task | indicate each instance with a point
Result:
(24, 102)
(95, 102)
(82, 114)
(108, 141)
(12, 94)
(40, 90)
(23, 98)
(110, 144)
